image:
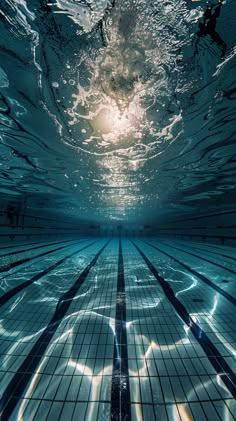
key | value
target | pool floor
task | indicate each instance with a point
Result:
(99, 329)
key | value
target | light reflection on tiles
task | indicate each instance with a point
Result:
(170, 375)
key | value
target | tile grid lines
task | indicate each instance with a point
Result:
(179, 402)
(8, 295)
(215, 358)
(19, 270)
(199, 275)
(29, 259)
(199, 257)
(37, 247)
(120, 392)
(60, 380)
(203, 250)
(84, 400)
(224, 247)
(143, 391)
(177, 392)
(24, 245)
(44, 354)
(17, 385)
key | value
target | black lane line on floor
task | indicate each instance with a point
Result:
(24, 244)
(200, 257)
(29, 259)
(217, 361)
(120, 390)
(15, 389)
(34, 248)
(46, 253)
(205, 251)
(8, 295)
(199, 275)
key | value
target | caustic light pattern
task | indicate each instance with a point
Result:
(118, 329)
(117, 119)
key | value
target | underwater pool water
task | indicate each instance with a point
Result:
(117, 205)
(118, 329)
(117, 111)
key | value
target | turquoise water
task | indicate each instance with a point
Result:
(117, 149)
(117, 111)
(140, 330)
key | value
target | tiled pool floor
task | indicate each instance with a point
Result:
(99, 329)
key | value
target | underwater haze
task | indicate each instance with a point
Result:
(118, 111)
(117, 210)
